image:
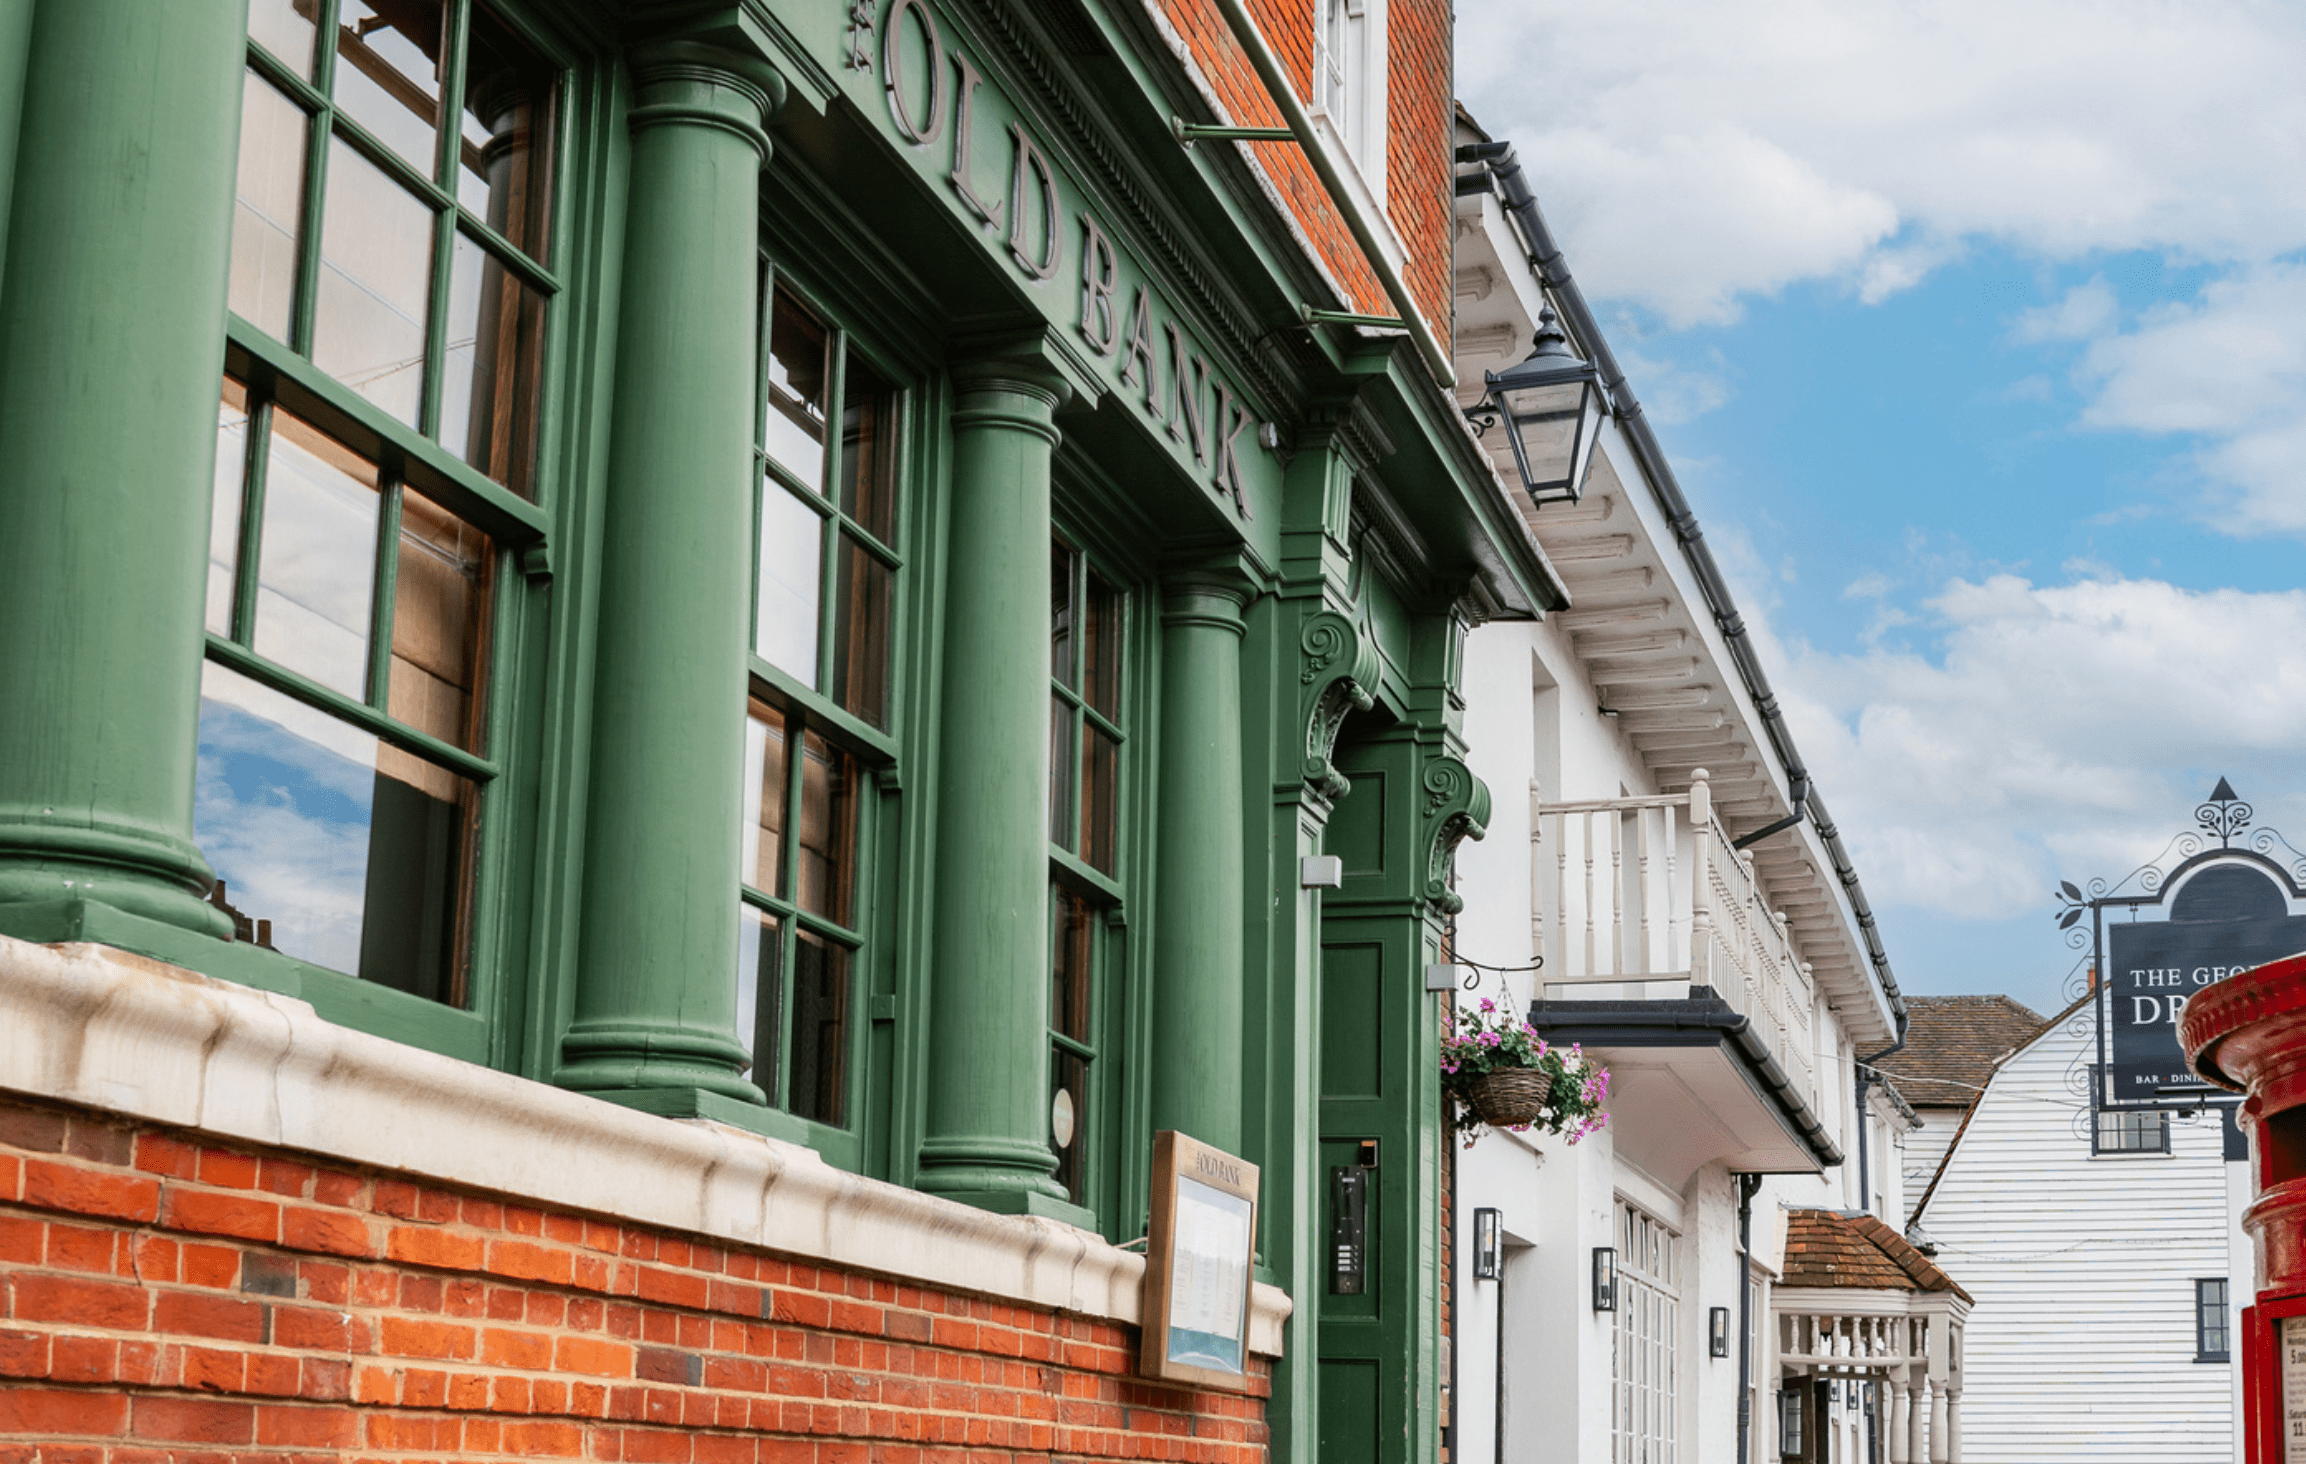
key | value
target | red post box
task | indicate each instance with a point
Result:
(2248, 1033)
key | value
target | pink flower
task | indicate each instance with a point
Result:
(1487, 1005)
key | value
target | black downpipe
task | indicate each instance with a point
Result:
(1545, 257)
(1748, 1184)
(1865, 1066)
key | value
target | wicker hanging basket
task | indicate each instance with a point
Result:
(1509, 1096)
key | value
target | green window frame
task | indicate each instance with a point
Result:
(339, 506)
(828, 589)
(1088, 758)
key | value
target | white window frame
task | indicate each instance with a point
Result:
(1646, 1341)
(1349, 88)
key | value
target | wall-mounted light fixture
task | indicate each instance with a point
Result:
(1552, 408)
(1604, 1278)
(1488, 1257)
(1717, 1331)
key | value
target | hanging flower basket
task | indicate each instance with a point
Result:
(1509, 1096)
(1503, 1075)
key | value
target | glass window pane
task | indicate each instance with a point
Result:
(828, 856)
(1070, 963)
(440, 605)
(282, 810)
(1061, 613)
(868, 449)
(861, 633)
(388, 72)
(268, 208)
(284, 27)
(1101, 646)
(1068, 1122)
(493, 375)
(761, 863)
(796, 416)
(819, 1089)
(504, 172)
(375, 277)
(329, 846)
(224, 506)
(317, 569)
(1100, 777)
(414, 934)
(761, 992)
(792, 557)
(1061, 818)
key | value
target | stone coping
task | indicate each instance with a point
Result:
(91, 1025)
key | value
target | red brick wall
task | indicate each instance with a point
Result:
(1418, 127)
(1419, 139)
(163, 1299)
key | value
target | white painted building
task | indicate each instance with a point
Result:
(1952, 1045)
(2107, 1262)
(1632, 746)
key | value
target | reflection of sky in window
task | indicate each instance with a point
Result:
(281, 811)
(785, 633)
(375, 276)
(318, 567)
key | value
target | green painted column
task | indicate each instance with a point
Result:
(113, 319)
(655, 1021)
(1198, 873)
(15, 41)
(987, 1133)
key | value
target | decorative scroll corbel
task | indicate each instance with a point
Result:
(1456, 808)
(1339, 675)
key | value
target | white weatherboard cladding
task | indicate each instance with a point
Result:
(1925, 1147)
(2081, 1345)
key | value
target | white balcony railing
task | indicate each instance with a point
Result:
(1647, 896)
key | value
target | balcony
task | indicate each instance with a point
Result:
(1659, 950)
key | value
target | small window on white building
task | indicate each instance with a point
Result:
(1349, 82)
(1645, 1357)
(2212, 1342)
(2130, 1131)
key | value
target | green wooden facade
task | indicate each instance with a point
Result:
(998, 844)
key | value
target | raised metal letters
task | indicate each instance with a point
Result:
(1029, 163)
(1100, 271)
(964, 105)
(893, 73)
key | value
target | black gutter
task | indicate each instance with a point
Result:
(1504, 172)
(1700, 1021)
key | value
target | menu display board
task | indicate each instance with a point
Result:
(1198, 1260)
(2290, 1356)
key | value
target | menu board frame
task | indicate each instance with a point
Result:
(1200, 1264)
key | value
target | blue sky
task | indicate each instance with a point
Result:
(1977, 335)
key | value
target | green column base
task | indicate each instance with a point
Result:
(611, 1058)
(772, 1123)
(75, 919)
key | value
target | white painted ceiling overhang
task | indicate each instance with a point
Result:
(1644, 637)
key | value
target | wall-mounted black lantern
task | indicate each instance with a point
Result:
(1604, 1279)
(1717, 1331)
(1488, 1258)
(1552, 408)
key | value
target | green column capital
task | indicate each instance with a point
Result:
(700, 83)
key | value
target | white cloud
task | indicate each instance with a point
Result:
(2085, 311)
(2230, 369)
(2052, 731)
(1691, 151)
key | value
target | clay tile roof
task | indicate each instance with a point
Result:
(1952, 1044)
(1828, 1248)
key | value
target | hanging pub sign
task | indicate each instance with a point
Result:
(1198, 1259)
(2196, 915)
